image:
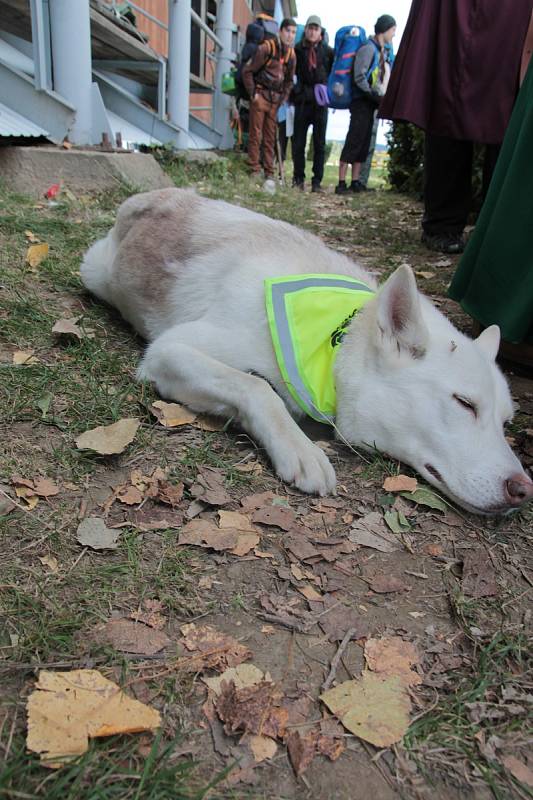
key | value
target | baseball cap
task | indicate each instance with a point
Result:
(314, 20)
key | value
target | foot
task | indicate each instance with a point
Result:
(269, 186)
(298, 185)
(448, 243)
(341, 188)
(357, 186)
(316, 187)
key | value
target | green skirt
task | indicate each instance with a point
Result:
(494, 279)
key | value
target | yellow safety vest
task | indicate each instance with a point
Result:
(308, 315)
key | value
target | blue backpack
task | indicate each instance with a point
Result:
(348, 40)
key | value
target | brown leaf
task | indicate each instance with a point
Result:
(254, 709)
(393, 657)
(400, 483)
(383, 584)
(373, 707)
(262, 747)
(154, 518)
(129, 495)
(43, 487)
(66, 709)
(232, 519)
(69, 328)
(518, 770)
(370, 531)
(209, 487)
(302, 749)
(253, 501)
(151, 614)
(279, 516)
(127, 636)
(109, 439)
(36, 253)
(242, 675)
(50, 562)
(172, 415)
(170, 493)
(332, 748)
(204, 533)
(338, 620)
(479, 575)
(300, 547)
(217, 650)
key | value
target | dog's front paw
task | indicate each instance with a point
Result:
(308, 468)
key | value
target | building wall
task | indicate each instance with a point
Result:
(158, 40)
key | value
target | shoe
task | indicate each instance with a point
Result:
(448, 243)
(341, 188)
(316, 187)
(269, 186)
(357, 186)
(298, 185)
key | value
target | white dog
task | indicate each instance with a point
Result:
(190, 275)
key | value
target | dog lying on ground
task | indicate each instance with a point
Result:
(194, 278)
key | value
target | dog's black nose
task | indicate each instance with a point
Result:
(518, 489)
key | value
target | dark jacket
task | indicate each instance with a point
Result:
(456, 72)
(307, 78)
(271, 70)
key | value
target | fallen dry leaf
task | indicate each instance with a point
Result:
(216, 650)
(31, 237)
(66, 709)
(262, 747)
(129, 495)
(92, 532)
(36, 253)
(278, 516)
(242, 675)
(519, 770)
(372, 707)
(232, 519)
(69, 328)
(50, 562)
(109, 439)
(253, 501)
(370, 531)
(302, 749)
(43, 487)
(205, 533)
(209, 487)
(127, 636)
(253, 709)
(150, 614)
(400, 483)
(393, 657)
(172, 415)
(479, 575)
(22, 357)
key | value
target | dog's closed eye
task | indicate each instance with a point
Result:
(466, 403)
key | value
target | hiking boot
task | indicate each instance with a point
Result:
(298, 185)
(341, 188)
(357, 186)
(269, 186)
(316, 187)
(447, 243)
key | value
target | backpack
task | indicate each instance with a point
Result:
(348, 40)
(263, 28)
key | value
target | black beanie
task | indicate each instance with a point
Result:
(383, 23)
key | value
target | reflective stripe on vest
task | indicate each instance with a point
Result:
(307, 315)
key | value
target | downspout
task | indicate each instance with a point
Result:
(179, 67)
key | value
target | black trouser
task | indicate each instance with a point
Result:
(448, 182)
(305, 115)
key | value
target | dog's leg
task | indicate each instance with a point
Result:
(193, 376)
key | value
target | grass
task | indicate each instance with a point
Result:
(452, 732)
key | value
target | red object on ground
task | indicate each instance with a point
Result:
(52, 191)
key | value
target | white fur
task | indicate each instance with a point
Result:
(401, 373)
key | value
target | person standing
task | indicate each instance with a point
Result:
(456, 77)
(314, 59)
(371, 71)
(364, 175)
(268, 79)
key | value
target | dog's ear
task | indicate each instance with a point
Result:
(399, 315)
(489, 341)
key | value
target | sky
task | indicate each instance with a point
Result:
(336, 13)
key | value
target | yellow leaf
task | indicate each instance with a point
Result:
(241, 675)
(31, 237)
(109, 439)
(69, 708)
(374, 708)
(50, 562)
(24, 357)
(36, 253)
(172, 415)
